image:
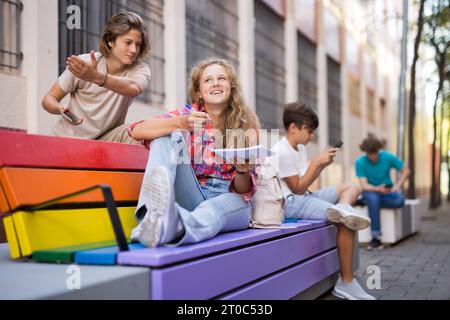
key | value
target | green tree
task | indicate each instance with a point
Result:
(437, 35)
(412, 103)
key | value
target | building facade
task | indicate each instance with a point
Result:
(339, 57)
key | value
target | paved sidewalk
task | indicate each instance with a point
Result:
(417, 267)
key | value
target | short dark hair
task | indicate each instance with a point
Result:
(301, 115)
(120, 24)
(372, 144)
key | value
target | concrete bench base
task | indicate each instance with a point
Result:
(396, 224)
(29, 280)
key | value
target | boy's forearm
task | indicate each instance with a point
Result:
(121, 85)
(404, 175)
(51, 105)
(369, 188)
(308, 178)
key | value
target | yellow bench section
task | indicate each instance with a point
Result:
(49, 229)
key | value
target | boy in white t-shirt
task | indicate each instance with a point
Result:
(331, 204)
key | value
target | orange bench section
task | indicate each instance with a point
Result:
(37, 168)
(28, 186)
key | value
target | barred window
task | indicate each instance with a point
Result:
(269, 65)
(307, 74)
(334, 100)
(94, 15)
(10, 32)
(211, 31)
(354, 96)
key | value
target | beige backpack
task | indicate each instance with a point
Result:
(268, 202)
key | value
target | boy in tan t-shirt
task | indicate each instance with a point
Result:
(103, 85)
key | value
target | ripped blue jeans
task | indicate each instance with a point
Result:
(204, 211)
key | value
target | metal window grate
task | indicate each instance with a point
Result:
(10, 32)
(211, 31)
(334, 100)
(94, 15)
(269, 65)
(307, 72)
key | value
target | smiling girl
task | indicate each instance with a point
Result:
(185, 198)
(102, 85)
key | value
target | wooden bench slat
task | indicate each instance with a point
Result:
(224, 272)
(102, 256)
(66, 254)
(28, 186)
(4, 206)
(11, 237)
(31, 150)
(290, 282)
(50, 229)
(168, 255)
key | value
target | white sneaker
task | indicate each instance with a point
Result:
(350, 291)
(347, 215)
(161, 223)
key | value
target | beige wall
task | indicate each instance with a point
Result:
(12, 101)
(23, 89)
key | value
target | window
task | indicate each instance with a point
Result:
(10, 31)
(94, 15)
(334, 100)
(269, 65)
(307, 72)
(211, 31)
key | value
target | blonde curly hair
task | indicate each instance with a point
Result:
(237, 115)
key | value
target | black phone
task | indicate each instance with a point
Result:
(70, 116)
(338, 144)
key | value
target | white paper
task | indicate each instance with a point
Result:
(255, 152)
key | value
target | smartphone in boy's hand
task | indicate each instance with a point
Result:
(338, 144)
(70, 116)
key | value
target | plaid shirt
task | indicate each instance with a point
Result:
(203, 159)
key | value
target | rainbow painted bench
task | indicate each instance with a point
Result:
(72, 201)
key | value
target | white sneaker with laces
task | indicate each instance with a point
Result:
(350, 291)
(347, 215)
(161, 223)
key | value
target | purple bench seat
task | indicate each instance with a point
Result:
(218, 267)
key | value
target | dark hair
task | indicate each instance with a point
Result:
(120, 24)
(371, 144)
(301, 115)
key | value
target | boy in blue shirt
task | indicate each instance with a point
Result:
(373, 170)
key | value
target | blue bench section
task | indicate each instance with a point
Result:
(102, 256)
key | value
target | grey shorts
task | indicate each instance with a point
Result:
(312, 206)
